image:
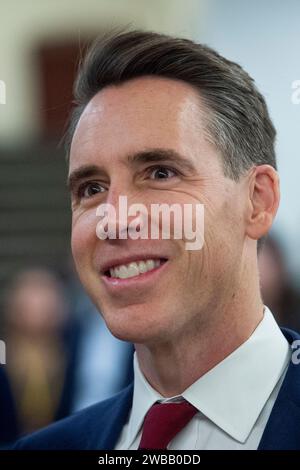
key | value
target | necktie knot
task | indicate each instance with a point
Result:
(163, 421)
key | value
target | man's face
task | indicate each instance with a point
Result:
(145, 139)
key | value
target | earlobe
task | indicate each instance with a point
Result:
(264, 196)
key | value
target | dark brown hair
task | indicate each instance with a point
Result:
(238, 121)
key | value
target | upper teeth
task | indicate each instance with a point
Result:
(134, 269)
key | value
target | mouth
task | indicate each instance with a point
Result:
(134, 269)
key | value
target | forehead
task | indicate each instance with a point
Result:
(135, 115)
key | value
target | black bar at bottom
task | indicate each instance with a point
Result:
(134, 459)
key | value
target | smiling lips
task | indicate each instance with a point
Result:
(135, 268)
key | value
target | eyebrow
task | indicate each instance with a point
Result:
(159, 155)
(153, 155)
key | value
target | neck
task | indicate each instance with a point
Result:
(173, 365)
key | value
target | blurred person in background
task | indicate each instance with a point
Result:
(276, 285)
(40, 348)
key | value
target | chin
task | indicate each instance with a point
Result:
(130, 333)
(135, 324)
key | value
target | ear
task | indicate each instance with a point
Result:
(264, 196)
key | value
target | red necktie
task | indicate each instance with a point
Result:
(163, 421)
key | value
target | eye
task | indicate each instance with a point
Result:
(162, 172)
(89, 189)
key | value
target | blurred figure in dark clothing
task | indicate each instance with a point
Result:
(277, 290)
(8, 420)
(40, 356)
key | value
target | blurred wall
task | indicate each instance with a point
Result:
(26, 22)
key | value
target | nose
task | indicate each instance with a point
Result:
(120, 216)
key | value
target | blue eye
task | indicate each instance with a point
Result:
(162, 173)
(89, 189)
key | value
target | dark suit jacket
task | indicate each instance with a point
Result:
(99, 426)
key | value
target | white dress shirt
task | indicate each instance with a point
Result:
(234, 399)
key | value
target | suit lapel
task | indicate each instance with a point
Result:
(112, 421)
(282, 431)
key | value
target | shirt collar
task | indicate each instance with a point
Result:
(234, 392)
